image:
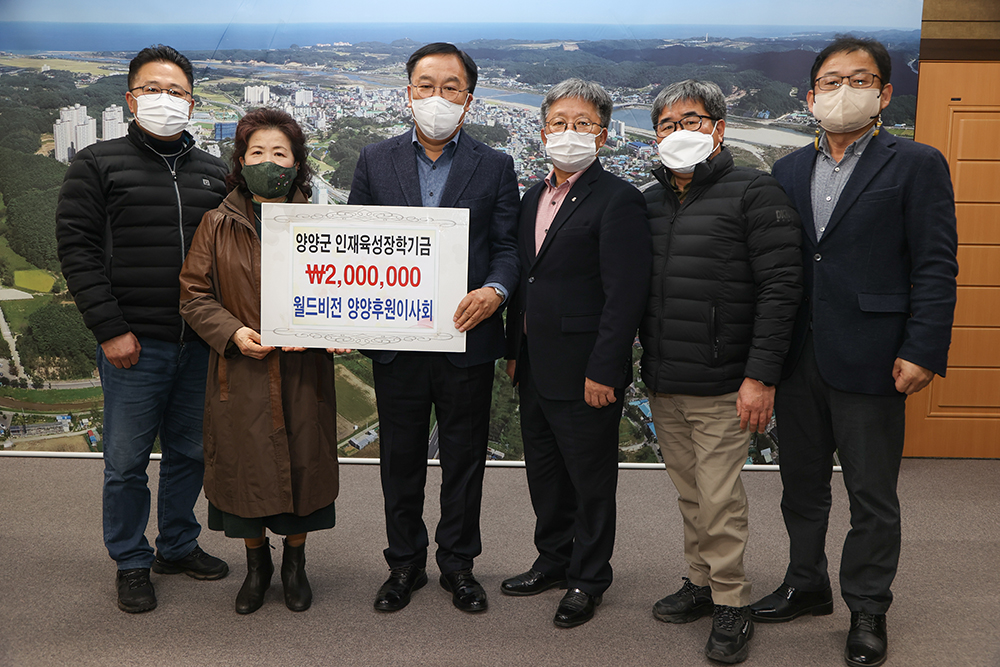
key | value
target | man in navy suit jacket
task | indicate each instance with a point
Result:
(436, 164)
(879, 249)
(585, 261)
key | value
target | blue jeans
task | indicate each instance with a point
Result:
(163, 394)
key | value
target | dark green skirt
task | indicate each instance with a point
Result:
(280, 524)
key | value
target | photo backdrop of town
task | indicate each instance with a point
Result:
(62, 88)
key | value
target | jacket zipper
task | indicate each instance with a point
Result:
(715, 336)
(180, 224)
(663, 286)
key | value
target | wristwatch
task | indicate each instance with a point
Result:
(764, 383)
(499, 293)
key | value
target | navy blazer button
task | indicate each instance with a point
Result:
(817, 257)
(531, 279)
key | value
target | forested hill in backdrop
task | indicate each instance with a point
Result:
(760, 74)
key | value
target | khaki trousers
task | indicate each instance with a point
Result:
(704, 451)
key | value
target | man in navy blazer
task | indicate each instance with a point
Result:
(436, 164)
(879, 249)
(585, 261)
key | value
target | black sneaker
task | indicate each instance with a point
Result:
(135, 591)
(688, 604)
(732, 629)
(197, 564)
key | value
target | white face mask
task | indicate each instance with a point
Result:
(683, 150)
(436, 117)
(847, 109)
(571, 151)
(162, 115)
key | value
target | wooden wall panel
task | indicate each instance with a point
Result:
(969, 387)
(975, 347)
(977, 181)
(978, 138)
(977, 306)
(950, 11)
(958, 112)
(971, 438)
(978, 223)
(946, 87)
(960, 31)
(978, 265)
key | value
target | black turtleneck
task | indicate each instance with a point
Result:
(168, 149)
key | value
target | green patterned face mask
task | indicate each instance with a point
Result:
(268, 180)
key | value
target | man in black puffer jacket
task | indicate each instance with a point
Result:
(726, 283)
(126, 214)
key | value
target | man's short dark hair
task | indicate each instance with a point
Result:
(444, 48)
(159, 53)
(691, 90)
(850, 44)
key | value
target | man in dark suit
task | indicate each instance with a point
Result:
(878, 246)
(436, 164)
(585, 260)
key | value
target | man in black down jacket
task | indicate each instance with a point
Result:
(726, 283)
(126, 214)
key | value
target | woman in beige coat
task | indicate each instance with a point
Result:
(270, 414)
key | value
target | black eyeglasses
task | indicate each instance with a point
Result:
(835, 81)
(691, 123)
(179, 93)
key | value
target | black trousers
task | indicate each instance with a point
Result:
(405, 390)
(867, 431)
(571, 457)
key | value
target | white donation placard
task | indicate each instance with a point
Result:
(363, 277)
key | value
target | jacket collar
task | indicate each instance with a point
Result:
(705, 173)
(878, 152)
(404, 161)
(463, 166)
(138, 137)
(576, 196)
(804, 161)
(240, 207)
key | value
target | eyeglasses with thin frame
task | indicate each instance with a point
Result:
(179, 93)
(451, 93)
(691, 123)
(856, 80)
(583, 126)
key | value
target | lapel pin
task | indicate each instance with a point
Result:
(573, 199)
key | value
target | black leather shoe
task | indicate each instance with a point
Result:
(197, 564)
(135, 591)
(466, 593)
(258, 579)
(787, 603)
(531, 582)
(298, 593)
(729, 640)
(576, 608)
(396, 591)
(688, 604)
(867, 641)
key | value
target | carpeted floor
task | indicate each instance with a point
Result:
(57, 600)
